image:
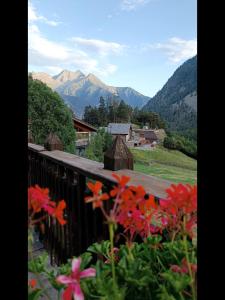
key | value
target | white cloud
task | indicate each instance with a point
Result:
(53, 70)
(132, 4)
(51, 56)
(99, 46)
(34, 17)
(42, 51)
(54, 57)
(107, 70)
(177, 49)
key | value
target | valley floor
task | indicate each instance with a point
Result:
(167, 164)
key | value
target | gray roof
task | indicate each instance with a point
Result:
(119, 128)
(150, 135)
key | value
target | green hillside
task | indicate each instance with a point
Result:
(167, 164)
(176, 102)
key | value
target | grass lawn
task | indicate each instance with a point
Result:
(167, 164)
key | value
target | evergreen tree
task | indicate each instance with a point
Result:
(102, 112)
(91, 116)
(124, 112)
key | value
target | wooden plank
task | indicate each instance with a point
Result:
(95, 170)
(36, 148)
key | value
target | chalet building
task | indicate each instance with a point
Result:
(83, 135)
(82, 126)
(150, 136)
(120, 129)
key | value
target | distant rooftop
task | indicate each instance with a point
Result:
(119, 128)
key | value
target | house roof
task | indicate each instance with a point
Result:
(150, 135)
(119, 128)
(78, 121)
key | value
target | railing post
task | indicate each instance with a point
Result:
(118, 156)
(53, 142)
(30, 137)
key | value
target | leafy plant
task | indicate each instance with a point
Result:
(158, 259)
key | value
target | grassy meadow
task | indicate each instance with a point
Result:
(167, 164)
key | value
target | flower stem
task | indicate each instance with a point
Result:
(188, 262)
(59, 295)
(130, 253)
(111, 236)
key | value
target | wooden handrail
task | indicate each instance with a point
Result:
(95, 170)
(66, 176)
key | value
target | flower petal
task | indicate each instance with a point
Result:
(64, 279)
(90, 272)
(98, 186)
(67, 294)
(77, 293)
(76, 265)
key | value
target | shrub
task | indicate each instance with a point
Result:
(48, 113)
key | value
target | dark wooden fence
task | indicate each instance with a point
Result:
(66, 175)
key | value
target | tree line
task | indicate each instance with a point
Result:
(179, 142)
(115, 110)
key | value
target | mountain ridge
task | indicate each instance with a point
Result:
(176, 102)
(79, 90)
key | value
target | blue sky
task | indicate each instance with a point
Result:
(136, 43)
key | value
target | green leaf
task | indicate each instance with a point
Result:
(34, 295)
(86, 259)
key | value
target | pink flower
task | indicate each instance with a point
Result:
(184, 267)
(73, 280)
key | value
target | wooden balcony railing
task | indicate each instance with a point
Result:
(66, 175)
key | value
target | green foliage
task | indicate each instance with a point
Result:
(35, 294)
(38, 264)
(150, 119)
(48, 113)
(142, 272)
(115, 110)
(181, 143)
(123, 112)
(169, 101)
(92, 116)
(99, 143)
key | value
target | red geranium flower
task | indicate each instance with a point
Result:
(38, 198)
(97, 197)
(58, 212)
(32, 283)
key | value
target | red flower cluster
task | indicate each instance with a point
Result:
(139, 213)
(38, 199)
(180, 198)
(135, 212)
(131, 209)
(181, 201)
